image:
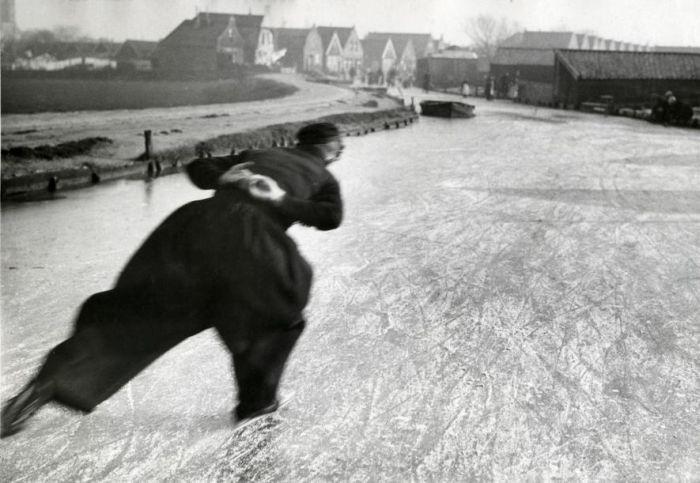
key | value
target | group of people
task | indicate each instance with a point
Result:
(669, 110)
(224, 262)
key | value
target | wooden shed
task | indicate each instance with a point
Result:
(449, 69)
(630, 77)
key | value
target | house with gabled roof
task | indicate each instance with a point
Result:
(314, 51)
(208, 43)
(135, 55)
(332, 49)
(422, 44)
(353, 54)
(333, 40)
(409, 47)
(631, 78)
(265, 51)
(584, 41)
(380, 57)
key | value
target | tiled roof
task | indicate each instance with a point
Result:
(326, 34)
(207, 27)
(344, 34)
(373, 48)
(670, 48)
(539, 40)
(201, 31)
(520, 56)
(592, 64)
(400, 39)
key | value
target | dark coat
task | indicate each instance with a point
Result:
(224, 261)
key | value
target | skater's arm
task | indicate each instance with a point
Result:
(324, 210)
(206, 172)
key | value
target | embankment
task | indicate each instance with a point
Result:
(168, 161)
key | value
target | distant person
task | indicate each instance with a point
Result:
(679, 112)
(465, 89)
(426, 82)
(660, 112)
(488, 88)
(223, 262)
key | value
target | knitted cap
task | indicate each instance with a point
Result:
(318, 133)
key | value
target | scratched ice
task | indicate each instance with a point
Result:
(511, 297)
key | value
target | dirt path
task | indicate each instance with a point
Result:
(182, 126)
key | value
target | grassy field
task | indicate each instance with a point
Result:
(22, 96)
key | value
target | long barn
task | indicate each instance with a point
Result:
(631, 78)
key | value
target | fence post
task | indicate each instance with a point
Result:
(148, 143)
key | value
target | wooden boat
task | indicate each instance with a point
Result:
(446, 109)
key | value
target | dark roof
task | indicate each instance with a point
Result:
(344, 34)
(142, 49)
(671, 48)
(202, 31)
(326, 34)
(539, 40)
(373, 48)
(293, 40)
(520, 56)
(598, 64)
(205, 29)
(400, 39)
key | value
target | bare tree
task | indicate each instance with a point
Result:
(487, 34)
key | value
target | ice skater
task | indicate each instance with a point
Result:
(224, 262)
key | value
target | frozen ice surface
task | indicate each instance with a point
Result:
(513, 296)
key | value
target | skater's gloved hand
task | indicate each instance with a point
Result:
(265, 188)
(236, 176)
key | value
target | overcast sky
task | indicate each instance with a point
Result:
(656, 22)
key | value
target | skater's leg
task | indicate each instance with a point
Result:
(117, 334)
(260, 366)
